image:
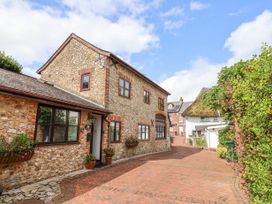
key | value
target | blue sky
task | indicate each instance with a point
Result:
(179, 44)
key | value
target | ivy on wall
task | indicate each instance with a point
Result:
(243, 94)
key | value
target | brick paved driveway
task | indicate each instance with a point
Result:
(185, 175)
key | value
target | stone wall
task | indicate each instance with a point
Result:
(75, 59)
(134, 111)
(19, 115)
(65, 71)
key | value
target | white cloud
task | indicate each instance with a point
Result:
(175, 11)
(198, 6)
(243, 42)
(171, 24)
(32, 32)
(247, 39)
(188, 82)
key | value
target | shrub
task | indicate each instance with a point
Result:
(201, 142)
(90, 157)
(225, 135)
(221, 152)
(109, 152)
(243, 95)
(8, 63)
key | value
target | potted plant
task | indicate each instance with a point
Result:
(131, 142)
(90, 161)
(109, 152)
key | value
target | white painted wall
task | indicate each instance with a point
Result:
(191, 122)
(211, 137)
(97, 136)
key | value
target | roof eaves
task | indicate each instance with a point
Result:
(20, 92)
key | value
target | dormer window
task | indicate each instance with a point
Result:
(85, 81)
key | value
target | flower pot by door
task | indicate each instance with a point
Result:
(90, 164)
(108, 160)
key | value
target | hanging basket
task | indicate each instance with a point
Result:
(132, 145)
(12, 157)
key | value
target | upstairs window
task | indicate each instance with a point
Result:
(146, 97)
(85, 81)
(143, 132)
(114, 131)
(124, 88)
(161, 104)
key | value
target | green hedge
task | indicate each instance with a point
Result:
(244, 94)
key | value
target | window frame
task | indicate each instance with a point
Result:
(52, 125)
(114, 136)
(122, 89)
(161, 104)
(160, 127)
(81, 81)
(148, 96)
(143, 125)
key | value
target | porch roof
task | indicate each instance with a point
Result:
(23, 85)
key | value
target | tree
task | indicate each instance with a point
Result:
(8, 63)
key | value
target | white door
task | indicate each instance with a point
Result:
(96, 144)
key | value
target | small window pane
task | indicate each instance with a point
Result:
(60, 116)
(121, 82)
(59, 134)
(45, 115)
(126, 84)
(43, 133)
(139, 131)
(72, 133)
(73, 118)
(85, 81)
(112, 126)
(127, 93)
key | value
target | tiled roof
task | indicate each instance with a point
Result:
(28, 86)
(103, 52)
(185, 105)
(174, 107)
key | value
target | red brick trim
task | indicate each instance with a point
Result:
(117, 118)
(91, 74)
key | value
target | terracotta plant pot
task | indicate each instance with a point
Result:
(108, 160)
(90, 164)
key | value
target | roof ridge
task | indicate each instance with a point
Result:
(101, 51)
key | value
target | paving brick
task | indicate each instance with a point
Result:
(184, 175)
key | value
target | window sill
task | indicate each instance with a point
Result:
(57, 143)
(160, 138)
(144, 140)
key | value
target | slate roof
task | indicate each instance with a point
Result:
(176, 105)
(24, 85)
(198, 108)
(185, 105)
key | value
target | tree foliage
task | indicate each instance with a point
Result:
(244, 94)
(8, 63)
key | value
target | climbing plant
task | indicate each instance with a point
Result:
(243, 95)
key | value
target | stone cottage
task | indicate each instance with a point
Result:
(92, 100)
